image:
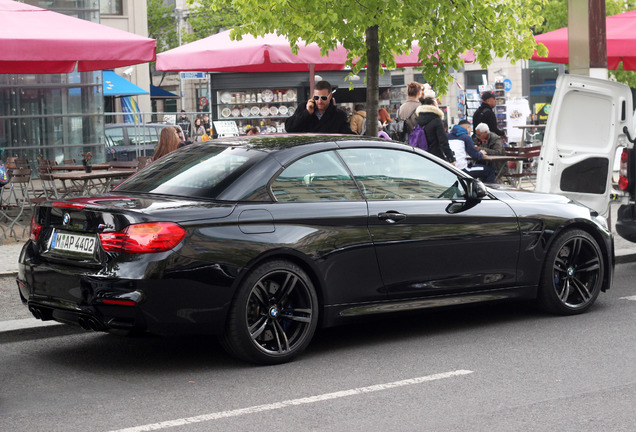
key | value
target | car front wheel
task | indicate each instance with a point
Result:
(274, 315)
(573, 274)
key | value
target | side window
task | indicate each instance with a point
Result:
(318, 177)
(385, 174)
(115, 136)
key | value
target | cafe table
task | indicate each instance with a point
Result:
(97, 182)
(505, 158)
(79, 167)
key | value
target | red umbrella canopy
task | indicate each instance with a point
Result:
(621, 42)
(35, 40)
(269, 53)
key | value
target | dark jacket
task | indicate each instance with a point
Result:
(430, 117)
(186, 126)
(485, 114)
(333, 120)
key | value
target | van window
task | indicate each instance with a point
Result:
(115, 136)
(143, 135)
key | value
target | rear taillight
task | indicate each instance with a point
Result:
(143, 238)
(623, 179)
(36, 229)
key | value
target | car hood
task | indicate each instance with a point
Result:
(160, 207)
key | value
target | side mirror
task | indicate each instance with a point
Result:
(476, 190)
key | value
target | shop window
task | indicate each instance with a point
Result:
(473, 79)
(111, 7)
(397, 80)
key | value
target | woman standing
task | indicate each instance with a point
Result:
(384, 117)
(168, 142)
(198, 130)
(430, 118)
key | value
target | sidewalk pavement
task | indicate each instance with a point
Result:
(15, 318)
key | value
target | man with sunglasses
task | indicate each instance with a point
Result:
(320, 115)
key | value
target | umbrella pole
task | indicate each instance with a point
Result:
(312, 79)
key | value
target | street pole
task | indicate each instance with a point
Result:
(179, 13)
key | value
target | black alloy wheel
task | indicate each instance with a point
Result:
(274, 315)
(573, 274)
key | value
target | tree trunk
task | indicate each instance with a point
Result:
(373, 81)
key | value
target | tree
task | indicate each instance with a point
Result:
(556, 17)
(374, 31)
(204, 23)
(162, 26)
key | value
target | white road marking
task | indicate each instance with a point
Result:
(293, 402)
(628, 298)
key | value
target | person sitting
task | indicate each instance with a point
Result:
(492, 144)
(463, 146)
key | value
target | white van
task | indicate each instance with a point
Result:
(590, 119)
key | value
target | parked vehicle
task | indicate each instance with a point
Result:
(262, 239)
(126, 141)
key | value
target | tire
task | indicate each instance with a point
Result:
(573, 274)
(274, 315)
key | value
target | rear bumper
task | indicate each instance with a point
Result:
(626, 222)
(179, 302)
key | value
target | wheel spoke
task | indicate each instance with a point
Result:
(297, 314)
(260, 292)
(591, 265)
(565, 292)
(287, 288)
(258, 327)
(281, 337)
(582, 289)
(560, 265)
(576, 249)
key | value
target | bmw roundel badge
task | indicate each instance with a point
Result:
(67, 219)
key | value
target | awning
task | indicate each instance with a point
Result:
(159, 93)
(114, 85)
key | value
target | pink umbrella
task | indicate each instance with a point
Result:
(35, 40)
(270, 53)
(621, 37)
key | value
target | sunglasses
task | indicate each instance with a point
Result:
(321, 97)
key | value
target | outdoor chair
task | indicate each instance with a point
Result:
(15, 202)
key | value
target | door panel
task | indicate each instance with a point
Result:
(584, 129)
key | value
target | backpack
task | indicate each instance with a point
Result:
(364, 126)
(399, 130)
(417, 138)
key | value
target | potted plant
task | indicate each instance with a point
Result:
(86, 161)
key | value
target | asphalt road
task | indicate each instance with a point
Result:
(488, 368)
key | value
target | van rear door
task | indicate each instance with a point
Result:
(584, 130)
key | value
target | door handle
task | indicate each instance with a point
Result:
(391, 216)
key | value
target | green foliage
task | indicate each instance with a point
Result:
(444, 29)
(206, 21)
(162, 25)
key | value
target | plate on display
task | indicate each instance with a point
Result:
(236, 112)
(264, 111)
(268, 95)
(291, 95)
(283, 110)
(245, 112)
(273, 111)
(226, 112)
(255, 110)
(291, 110)
(226, 97)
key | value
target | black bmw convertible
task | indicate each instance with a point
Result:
(263, 240)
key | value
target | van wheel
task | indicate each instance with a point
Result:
(573, 274)
(274, 315)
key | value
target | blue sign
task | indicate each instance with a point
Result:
(507, 84)
(194, 75)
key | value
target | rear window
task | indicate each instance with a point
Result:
(115, 136)
(197, 171)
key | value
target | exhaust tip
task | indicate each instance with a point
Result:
(83, 324)
(36, 312)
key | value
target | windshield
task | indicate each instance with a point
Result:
(198, 171)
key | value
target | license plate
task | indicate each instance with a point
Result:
(76, 243)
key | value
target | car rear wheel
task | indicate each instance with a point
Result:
(573, 274)
(274, 315)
